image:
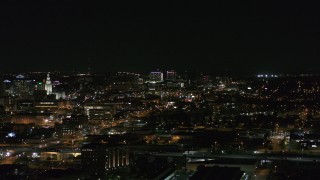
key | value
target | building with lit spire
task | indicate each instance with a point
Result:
(48, 85)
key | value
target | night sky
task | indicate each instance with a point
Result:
(242, 37)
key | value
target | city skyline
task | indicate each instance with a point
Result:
(159, 90)
(88, 126)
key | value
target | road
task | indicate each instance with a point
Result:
(260, 174)
(239, 156)
(9, 160)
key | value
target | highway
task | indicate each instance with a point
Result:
(239, 156)
(9, 160)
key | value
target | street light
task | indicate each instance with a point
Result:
(72, 143)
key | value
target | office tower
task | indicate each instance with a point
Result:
(40, 86)
(102, 157)
(22, 86)
(171, 75)
(156, 76)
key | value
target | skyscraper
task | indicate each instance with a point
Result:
(48, 85)
(22, 86)
(156, 76)
(171, 75)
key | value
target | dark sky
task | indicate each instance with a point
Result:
(241, 37)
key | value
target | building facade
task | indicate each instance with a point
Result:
(103, 157)
(156, 76)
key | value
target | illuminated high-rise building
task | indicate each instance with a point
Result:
(48, 85)
(40, 86)
(171, 75)
(156, 76)
(22, 86)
